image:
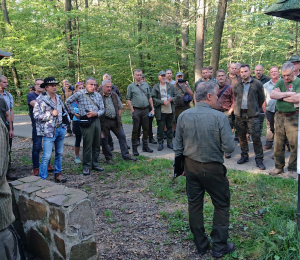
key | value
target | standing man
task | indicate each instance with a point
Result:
(49, 113)
(259, 74)
(206, 76)
(210, 74)
(8, 246)
(225, 102)
(231, 76)
(68, 90)
(90, 107)
(10, 103)
(269, 106)
(111, 121)
(138, 99)
(162, 95)
(114, 88)
(238, 69)
(169, 76)
(286, 92)
(296, 61)
(36, 140)
(203, 167)
(249, 97)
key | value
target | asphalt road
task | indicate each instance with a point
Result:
(22, 128)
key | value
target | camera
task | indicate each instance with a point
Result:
(181, 80)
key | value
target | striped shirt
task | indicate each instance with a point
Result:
(6, 214)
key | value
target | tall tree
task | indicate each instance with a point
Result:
(68, 29)
(219, 25)
(199, 41)
(185, 38)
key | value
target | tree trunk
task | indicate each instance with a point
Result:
(199, 42)
(78, 44)
(185, 39)
(5, 13)
(177, 33)
(68, 28)
(139, 31)
(219, 25)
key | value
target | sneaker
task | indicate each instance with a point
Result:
(130, 159)
(227, 155)
(35, 172)
(50, 168)
(110, 162)
(77, 159)
(229, 248)
(98, 168)
(86, 171)
(68, 134)
(276, 171)
(58, 177)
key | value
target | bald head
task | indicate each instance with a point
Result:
(232, 69)
(258, 71)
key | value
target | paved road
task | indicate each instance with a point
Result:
(22, 125)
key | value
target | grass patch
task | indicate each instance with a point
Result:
(127, 118)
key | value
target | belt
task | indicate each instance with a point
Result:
(57, 126)
(106, 117)
(244, 110)
(288, 114)
(224, 110)
(141, 108)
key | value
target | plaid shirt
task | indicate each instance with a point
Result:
(85, 104)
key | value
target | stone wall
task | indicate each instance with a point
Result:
(55, 222)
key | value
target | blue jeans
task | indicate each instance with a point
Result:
(36, 147)
(58, 141)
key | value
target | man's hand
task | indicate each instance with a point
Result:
(152, 112)
(55, 112)
(230, 111)
(11, 134)
(170, 99)
(102, 134)
(277, 89)
(132, 110)
(77, 116)
(166, 102)
(91, 114)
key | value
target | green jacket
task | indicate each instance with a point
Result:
(157, 102)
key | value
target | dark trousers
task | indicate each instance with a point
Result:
(140, 117)
(91, 144)
(77, 133)
(150, 132)
(210, 177)
(270, 127)
(165, 119)
(112, 125)
(254, 127)
(286, 127)
(10, 144)
(36, 148)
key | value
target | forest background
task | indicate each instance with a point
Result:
(81, 38)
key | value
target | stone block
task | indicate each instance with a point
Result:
(75, 198)
(30, 179)
(53, 190)
(60, 245)
(28, 187)
(22, 207)
(57, 200)
(37, 245)
(83, 251)
(15, 183)
(57, 219)
(56, 256)
(81, 219)
(36, 210)
(44, 230)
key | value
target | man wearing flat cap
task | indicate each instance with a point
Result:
(296, 61)
(163, 94)
(52, 120)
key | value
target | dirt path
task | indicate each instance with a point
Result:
(128, 224)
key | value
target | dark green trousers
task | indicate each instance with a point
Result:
(210, 177)
(285, 127)
(91, 144)
(165, 119)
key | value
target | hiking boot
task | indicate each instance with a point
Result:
(110, 162)
(98, 168)
(229, 248)
(50, 168)
(170, 146)
(86, 171)
(243, 159)
(58, 177)
(290, 174)
(204, 250)
(147, 149)
(35, 172)
(276, 171)
(152, 141)
(160, 147)
(227, 155)
(260, 165)
(267, 147)
(165, 135)
(111, 148)
(135, 151)
(130, 159)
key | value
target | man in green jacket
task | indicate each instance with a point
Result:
(249, 97)
(163, 94)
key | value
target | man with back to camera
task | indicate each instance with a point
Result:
(249, 98)
(90, 105)
(203, 145)
(138, 98)
(286, 92)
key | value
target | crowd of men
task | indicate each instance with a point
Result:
(232, 102)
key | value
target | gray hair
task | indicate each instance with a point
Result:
(89, 78)
(288, 66)
(106, 74)
(105, 81)
(238, 65)
(204, 88)
(2, 77)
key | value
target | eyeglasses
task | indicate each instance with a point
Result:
(79, 83)
(289, 75)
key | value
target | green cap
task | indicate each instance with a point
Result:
(162, 72)
(294, 58)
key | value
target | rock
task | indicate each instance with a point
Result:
(60, 245)
(37, 245)
(57, 219)
(83, 251)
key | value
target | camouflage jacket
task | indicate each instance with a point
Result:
(46, 123)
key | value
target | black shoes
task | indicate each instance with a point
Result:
(160, 147)
(170, 146)
(98, 168)
(147, 150)
(204, 250)
(243, 160)
(260, 164)
(152, 141)
(135, 151)
(130, 159)
(229, 248)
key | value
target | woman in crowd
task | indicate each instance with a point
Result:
(76, 129)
